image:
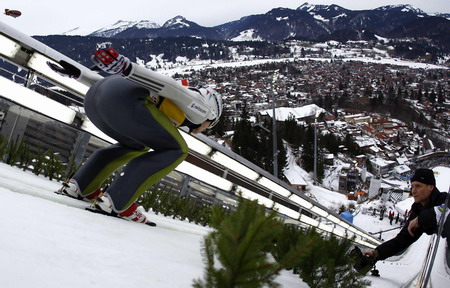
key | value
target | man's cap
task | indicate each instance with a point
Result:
(425, 176)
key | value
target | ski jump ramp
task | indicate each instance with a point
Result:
(208, 161)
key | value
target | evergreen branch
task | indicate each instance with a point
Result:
(292, 258)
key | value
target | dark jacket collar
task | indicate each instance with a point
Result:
(436, 198)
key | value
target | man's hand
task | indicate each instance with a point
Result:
(65, 69)
(110, 61)
(371, 253)
(412, 226)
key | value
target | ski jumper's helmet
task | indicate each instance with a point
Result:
(214, 101)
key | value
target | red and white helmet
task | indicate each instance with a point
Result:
(214, 101)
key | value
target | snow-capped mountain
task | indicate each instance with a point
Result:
(381, 20)
(112, 30)
(443, 15)
(307, 22)
(175, 27)
(177, 22)
(332, 10)
(402, 8)
(315, 22)
(120, 26)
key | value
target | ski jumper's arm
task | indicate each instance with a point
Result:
(83, 75)
(191, 102)
(89, 79)
(188, 100)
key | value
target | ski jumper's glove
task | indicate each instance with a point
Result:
(110, 61)
(65, 69)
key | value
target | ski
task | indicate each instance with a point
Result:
(94, 209)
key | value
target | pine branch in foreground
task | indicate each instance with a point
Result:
(239, 246)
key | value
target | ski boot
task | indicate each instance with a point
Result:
(70, 188)
(103, 205)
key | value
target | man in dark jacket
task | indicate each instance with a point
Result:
(423, 217)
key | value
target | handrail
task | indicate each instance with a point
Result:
(433, 247)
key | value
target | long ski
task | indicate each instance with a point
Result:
(94, 209)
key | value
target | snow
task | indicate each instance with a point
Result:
(49, 241)
(55, 244)
(111, 30)
(171, 69)
(247, 35)
(177, 21)
(299, 113)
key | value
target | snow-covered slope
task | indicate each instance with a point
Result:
(111, 30)
(49, 241)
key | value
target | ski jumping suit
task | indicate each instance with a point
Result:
(131, 114)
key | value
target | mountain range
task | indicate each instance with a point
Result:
(307, 22)
(403, 31)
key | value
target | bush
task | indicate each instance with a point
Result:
(238, 252)
(239, 243)
(320, 262)
(170, 203)
(18, 154)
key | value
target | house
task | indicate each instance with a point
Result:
(348, 179)
(402, 172)
(295, 179)
(381, 166)
(304, 113)
(329, 159)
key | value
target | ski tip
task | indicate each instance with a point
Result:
(150, 223)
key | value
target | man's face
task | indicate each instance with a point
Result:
(421, 192)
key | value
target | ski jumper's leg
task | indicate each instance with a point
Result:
(101, 164)
(123, 110)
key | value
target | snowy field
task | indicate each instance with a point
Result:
(48, 241)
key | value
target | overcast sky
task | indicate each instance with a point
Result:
(43, 17)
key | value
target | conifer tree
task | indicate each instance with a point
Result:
(328, 264)
(222, 125)
(420, 96)
(308, 149)
(244, 139)
(239, 243)
(440, 96)
(432, 97)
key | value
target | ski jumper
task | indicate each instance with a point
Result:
(126, 111)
